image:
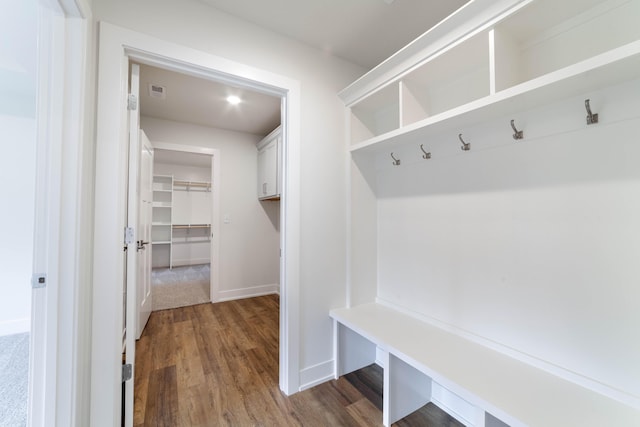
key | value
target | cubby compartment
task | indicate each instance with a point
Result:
(377, 114)
(161, 234)
(547, 35)
(161, 215)
(456, 77)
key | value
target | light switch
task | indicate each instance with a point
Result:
(227, 219)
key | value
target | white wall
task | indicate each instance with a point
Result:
(249, 243)
(532, 246)
(18, 163)
(323, 169)
(17, 171)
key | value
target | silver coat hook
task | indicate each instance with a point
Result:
(466, 146)
(396, 162)
(591, 118)
(518, 134)
(425, 155)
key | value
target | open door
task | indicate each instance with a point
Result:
(132, 239)
(145, 200)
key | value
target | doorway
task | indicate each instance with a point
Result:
(117, 47)
(181, 237)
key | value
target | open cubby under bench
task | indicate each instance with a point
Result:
(500, 389)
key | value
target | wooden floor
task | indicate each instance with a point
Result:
(217, 365)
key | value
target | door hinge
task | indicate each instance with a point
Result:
(38, 281)
(127, 372)
(132, 102)
(128, 235)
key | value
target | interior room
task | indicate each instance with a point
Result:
(182, 115)
(435, 223)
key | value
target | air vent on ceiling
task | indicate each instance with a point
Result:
(156, 91)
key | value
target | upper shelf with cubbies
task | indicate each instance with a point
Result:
(527, 54)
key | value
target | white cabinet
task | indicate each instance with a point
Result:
(269, 166)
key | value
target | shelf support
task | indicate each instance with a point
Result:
(396, 162)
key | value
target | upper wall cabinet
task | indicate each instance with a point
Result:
(492, 58)
(269, 167)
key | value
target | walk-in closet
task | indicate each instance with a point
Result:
(181, 229)
(213, 237)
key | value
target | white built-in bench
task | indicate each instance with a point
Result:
(500, 389)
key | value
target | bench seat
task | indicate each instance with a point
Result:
(512, 391)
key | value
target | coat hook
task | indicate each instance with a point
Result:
(466, 146)
(396, 162)
(591, 118)
(425, 155)
(518, 134)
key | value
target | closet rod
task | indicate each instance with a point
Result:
(191, 225)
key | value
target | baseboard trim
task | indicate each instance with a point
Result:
(15, 326)
(316, 374)
(255, 291)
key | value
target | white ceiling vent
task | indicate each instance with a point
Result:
(156, 91)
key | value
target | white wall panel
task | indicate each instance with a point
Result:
(532, 245)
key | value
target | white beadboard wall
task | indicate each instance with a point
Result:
(249, 243)
(530, 246)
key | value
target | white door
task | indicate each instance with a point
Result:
(145, 200)
(131, 299)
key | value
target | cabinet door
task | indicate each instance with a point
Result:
(268, 170)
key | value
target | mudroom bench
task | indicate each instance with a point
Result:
(495, 389)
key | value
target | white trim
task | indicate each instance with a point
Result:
(317, 374)
(254, 291)
(56, 353)
(116, 46)
(15, 326)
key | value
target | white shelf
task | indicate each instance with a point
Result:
(607, 69)
(162, 243)
(530, 54)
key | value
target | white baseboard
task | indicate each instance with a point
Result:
(254, 291)
(316, 374)
(15, 326)
(190, 261)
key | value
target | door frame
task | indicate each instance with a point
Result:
(58, 361)
(214, 254)
(117, 46)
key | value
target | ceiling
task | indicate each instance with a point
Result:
(203, 102)
(364, 32)
(181, 158)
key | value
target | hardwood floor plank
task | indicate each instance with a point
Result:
(162, 398)
(217, 365)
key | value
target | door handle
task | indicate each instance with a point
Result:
(141, 244)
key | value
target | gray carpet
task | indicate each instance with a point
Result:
(14, 374)
(180, 286)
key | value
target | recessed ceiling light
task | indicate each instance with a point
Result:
(233, 100)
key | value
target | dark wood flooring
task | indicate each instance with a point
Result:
(217, 365)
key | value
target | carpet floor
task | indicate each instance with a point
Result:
(14, 379)
(180, 286)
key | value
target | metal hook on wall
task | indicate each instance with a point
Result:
(396, 162)
(466, 146)
(425, 155)
(591, 118)
(518, 134)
